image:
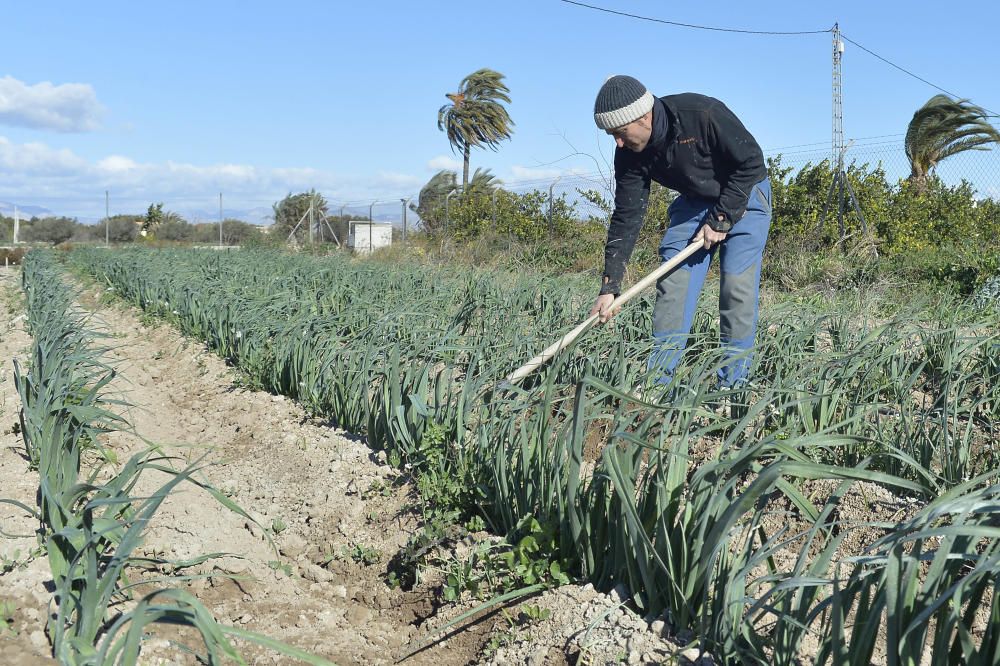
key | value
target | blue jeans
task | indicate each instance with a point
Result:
(677, 293)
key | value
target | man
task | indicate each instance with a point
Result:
(695, 145)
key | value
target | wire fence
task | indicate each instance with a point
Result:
(979, 168)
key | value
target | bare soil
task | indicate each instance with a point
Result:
(23, 576)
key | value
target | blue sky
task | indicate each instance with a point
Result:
(176, 102)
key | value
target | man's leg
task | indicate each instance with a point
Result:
(740, 261)
(677, 293)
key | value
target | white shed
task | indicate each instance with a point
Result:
(367, 236)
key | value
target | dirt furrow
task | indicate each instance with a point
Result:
(327, 515)
(23, 574)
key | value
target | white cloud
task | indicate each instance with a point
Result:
(58, 179)
(69, 107)
(37, 159)
(116, 164)
(442, 162)
(528, 173)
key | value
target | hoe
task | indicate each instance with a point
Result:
(622, 299)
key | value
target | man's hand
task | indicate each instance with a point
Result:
(602, 307)
(709, 236)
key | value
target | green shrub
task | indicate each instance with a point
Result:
(902, 218)
(958, 267)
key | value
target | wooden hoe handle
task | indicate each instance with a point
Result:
(622, 299)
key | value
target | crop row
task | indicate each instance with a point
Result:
(725, 511)
(90, 513)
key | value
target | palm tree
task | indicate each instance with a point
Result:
(476, 116)
(483, 182)
(944, 127)
(431, 200)
(290, 213)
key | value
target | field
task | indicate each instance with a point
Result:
(336, 432)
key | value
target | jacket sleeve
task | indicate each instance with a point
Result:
(740, 157)
(631, 197)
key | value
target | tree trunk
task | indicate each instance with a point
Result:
(919, 179)
(465, 167)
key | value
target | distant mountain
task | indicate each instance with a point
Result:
(260, 215)
(24, 212)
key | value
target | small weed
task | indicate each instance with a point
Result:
(393, 580)
(529, 560)
(516, 628)
(502, 638)
(243, 380)
(147, 319)
(526, 558)
(278, 525)
(439, 529)
(283, 567)
(378, 488)
(534, 613)
(8, 564)
(461, 577)
(7, 610)
(360, 554)
(365, 555)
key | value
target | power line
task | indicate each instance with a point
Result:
(696, 26)
(906, 71)
(857, 148)
(693, 25)
(827, 143)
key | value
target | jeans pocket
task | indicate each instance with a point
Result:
(764, 201)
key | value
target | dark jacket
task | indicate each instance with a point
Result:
(699, 148)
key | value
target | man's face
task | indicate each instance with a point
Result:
(635, 135)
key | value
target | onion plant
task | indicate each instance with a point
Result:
(685, 494)
(90, 520)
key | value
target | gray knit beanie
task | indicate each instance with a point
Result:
(621, 100)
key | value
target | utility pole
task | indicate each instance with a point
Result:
(312, 215)
(371, 223)
(405, 201)
(838, 95)
(220, 219)
(107, 220)
(840, 183)
(17, 224)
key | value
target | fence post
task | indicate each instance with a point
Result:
(406, 203)
(312, 217)
(371, 224)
